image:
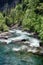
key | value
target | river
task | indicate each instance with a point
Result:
(10, 57)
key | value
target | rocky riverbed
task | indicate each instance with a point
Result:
(25, 40)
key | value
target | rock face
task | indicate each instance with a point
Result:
(8, 3)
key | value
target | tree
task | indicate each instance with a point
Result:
(8, 21)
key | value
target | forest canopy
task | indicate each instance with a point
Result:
(27, 13)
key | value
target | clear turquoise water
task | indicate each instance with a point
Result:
(9, 57)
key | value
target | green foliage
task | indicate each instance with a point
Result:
(13, 15)
(33, 3)
(30, 4)
(1, 18)
(19, 13)
(28, 13)
(4, 27)
(41, 32)
(41, 35)
(40, 8)
(8, 21)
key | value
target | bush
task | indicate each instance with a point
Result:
(8, 21)
(4, 27)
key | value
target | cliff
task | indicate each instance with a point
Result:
(8, 3)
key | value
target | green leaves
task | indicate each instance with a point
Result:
(8, 21)
(25, 14)
(4, 27)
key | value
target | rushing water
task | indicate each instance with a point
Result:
(10, 57)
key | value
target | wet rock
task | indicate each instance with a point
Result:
(41, 44)
(23, 40)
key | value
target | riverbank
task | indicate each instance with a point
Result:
(8, 34)
(24, 38)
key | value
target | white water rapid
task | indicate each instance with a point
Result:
(22, 35)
